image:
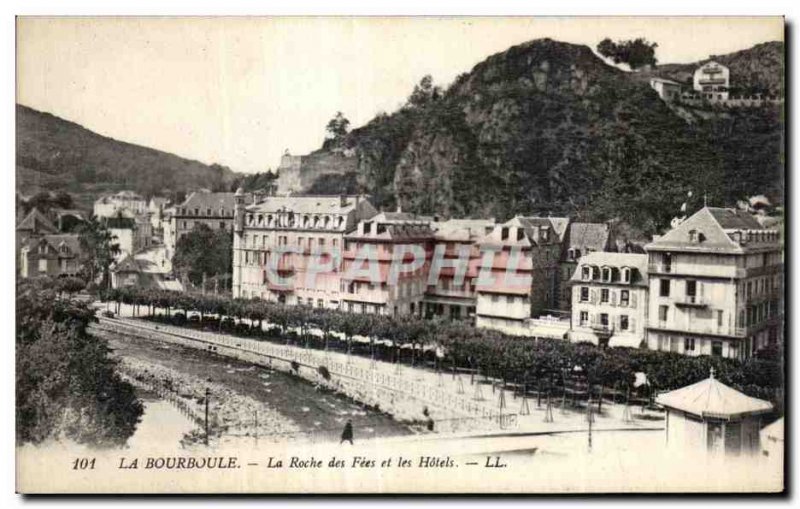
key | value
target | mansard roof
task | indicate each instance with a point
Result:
(712, 230)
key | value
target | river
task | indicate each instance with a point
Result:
(318, 415)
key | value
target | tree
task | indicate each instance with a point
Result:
(636, 53)
(66, 383)
(338, 127)
(98, 252)
(203, 251)
(424, 93)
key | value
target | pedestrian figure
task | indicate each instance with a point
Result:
(347, 433)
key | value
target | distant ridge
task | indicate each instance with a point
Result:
(54, 154)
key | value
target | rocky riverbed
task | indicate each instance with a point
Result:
(284, 407)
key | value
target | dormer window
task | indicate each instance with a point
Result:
(606, 274)
(692, 235)
(367, 226)
(504, 233)
(626, 275)
(520, 234)
(381, 228)
(586, 273)
(577, 253)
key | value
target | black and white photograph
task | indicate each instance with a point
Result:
(400, 255)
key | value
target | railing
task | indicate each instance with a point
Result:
(365, 383)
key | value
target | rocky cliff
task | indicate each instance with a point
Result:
(548, 127)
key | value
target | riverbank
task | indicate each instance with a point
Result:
(249, 402)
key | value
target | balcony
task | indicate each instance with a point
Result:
(692, 301)
(660, 268)
(601, 330)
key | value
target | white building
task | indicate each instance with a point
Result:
(112, 205)
(712, 81)
(522, 249)
(385, 234)
(667, 90)
(716, 286)
(712, 418)
(609, 299)
(308, 225)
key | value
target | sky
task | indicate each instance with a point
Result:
(240, 91)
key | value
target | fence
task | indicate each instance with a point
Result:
(368, 385)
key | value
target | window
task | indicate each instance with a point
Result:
(716, 348)
(606, 274)
(604, 295)
(504, 233)
(623, 322)
(584, 293)
(222, 225)
(667, 262)
(495, 298)
(688, 344)
(604, 319)
(586, 273)
(624, 297)
(584, 318)
(691, 291)
(662, 313)
(719, 318)
(626, 275)
(663, 290)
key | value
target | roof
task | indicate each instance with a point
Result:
(774, 431)
(664, 80)
(207, 200)
(560, 225)
(307, 204)
(531, 228)
(714, 224)
(36, 222)
(619, 260)
(72, 241)
(395, 226)
(462, 230)
(588, 236)
(712, 399)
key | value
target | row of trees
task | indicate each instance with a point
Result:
(454, 344)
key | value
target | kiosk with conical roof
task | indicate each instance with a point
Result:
(711, 416)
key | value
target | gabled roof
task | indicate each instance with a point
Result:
(560, 225)
(36, 222)
(714, 224)
(711, 398)
(71, 241)
(588, 236)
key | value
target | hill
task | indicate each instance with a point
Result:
(57, 155)
(759, 69)
(548, 127)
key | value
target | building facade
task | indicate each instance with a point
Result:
(51, 255)
(292, 237)
(214, 210)
(519, 259)
(581, 239)
(111, 205)
(716, 286)
(390, 239)
(448, 294)
(667, 90)
(609, 299)
(712, 81)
